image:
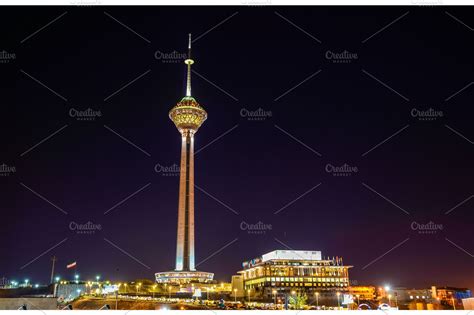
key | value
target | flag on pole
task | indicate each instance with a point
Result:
(71, 265)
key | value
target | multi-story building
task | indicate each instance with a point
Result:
(238, 286)
(363, 293)
(400, 295)
(295, 272)
(450, 296)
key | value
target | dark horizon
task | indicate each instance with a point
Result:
(364, 111)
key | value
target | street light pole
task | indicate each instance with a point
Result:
(275, 296)
(248, 291)
(338, 303)
(235, 295)
(317, 299)
(138, 287)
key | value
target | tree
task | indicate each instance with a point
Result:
(298, 301)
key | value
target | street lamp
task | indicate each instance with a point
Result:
(77, 278)
(154, 288)
(454, 304)
(57, 279)
(338, 303)
(235, 295)
(317, 299)
(389, 299)
(248, 292)
(169, 290)
(138, 287)
(358, 299)
(26, 282)
(275, 296)
(97, 278)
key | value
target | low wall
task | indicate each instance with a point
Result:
(30, 302)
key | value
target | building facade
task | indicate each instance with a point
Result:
(238, 286)
(363, 293)
(295, 272)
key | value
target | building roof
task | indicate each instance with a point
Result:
(292, 255)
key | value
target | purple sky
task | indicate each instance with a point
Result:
(363, 110)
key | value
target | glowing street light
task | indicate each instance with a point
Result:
(235, 295)
(138, 287)
(338, 302)
(154, 288)
(26, 282)
(275, 296)
(317, 299)
(389, 299)
(248, 292)
(57, 279)
(97, 278)
(387, 288)
(358, 299)
(169, 290)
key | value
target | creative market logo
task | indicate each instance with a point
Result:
(341, 57)
(341, 171)
(426, 2)
(255, 115)
(6, 57)
(256, 2)
(6, 170)
(427, 228)
(255, 228)
(172, 57)
(426, 115)
(85, 115)
(85, 3)
(87, 228)
(173, 170)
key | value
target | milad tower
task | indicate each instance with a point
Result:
(188, 116)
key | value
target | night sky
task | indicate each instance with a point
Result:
(405, 171)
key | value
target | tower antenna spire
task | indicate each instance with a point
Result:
(189, 62)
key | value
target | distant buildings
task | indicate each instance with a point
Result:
(363, 293)
(450, 295)
(283, 272)
(238, 290)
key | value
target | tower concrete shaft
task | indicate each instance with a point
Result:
(185, 238)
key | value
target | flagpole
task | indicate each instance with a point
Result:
(52, 269)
